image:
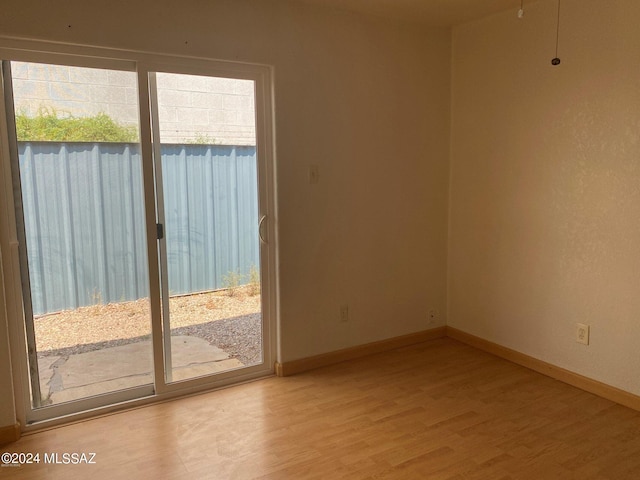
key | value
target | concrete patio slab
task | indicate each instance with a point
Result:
(45, 372)
(126, 366)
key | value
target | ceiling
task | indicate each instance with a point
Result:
(437, 13)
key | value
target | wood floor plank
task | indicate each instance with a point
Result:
(437, 410)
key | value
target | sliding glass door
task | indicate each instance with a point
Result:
(78, 182)
(207, 186)
(141, 217)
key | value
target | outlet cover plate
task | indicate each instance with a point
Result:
(582, 333)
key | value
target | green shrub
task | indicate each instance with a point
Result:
(254, 281)
(231, 282)
(49, 127)
(202, 139)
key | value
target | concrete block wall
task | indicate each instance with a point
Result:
(193, 109)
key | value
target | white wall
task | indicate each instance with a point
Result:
(7, 404)
(7, 412)
(545, 204)
(366, 99)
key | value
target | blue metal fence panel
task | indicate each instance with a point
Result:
(84, 220)
(211, 211)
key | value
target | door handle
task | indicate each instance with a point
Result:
(260, 226)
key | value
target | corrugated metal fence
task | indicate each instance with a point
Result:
(84, 220)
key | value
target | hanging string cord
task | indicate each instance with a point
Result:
(558, 29)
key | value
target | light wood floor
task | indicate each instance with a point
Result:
(438, 410)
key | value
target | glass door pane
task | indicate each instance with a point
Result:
(208, 192)
(81, 204)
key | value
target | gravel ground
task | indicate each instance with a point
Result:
(231, 322)
(240, 337)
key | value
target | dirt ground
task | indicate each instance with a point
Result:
(116, 321)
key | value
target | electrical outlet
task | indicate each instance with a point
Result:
(582, 333)
(344, 313)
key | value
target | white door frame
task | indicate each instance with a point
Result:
(143, 63)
